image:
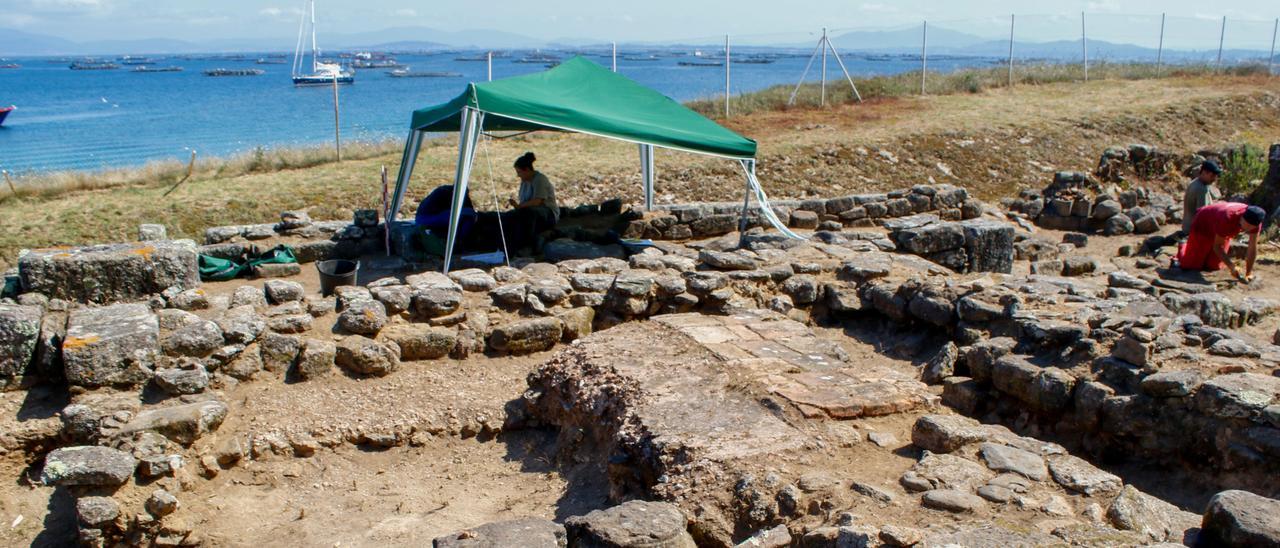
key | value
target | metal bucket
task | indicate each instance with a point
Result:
(336, 273)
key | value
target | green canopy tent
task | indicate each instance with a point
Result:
(579, 96)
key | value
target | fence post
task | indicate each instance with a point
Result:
(726, 76)
(1011, 17)
(1084, 45)
(1160, 48)
(1221, 37)
(1271, 59)
(823, 100)
(924, 53)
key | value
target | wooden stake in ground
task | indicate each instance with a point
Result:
(12, 189)
(191, 167)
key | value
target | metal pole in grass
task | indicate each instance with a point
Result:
(822, 101)
(726, 76)
(1271, 59)
(337, 136)
(1160, 48)
(1084, 45)
(924, 53)
(1221, 37)
(1011, 16)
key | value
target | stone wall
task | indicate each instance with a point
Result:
(1075, 202)
(681, 222)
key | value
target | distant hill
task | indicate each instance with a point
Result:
(18, 43)
(907, 39)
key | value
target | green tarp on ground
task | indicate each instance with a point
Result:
(579, 95)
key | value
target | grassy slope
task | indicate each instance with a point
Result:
(992, 142)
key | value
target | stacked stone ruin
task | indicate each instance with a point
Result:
(1078, 356)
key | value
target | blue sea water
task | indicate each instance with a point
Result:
(85, 120)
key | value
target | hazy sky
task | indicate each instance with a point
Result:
(631, 20)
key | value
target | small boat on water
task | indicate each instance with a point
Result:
(538, 57)
(234, 72)
(376, 64)
(10, 66)
(322, 73)
(473, 58)
(156, 69)
(130, 60)
(90, 64)
(270, 61)
(640, 58)
(406, 73)
(4, 113)
(754, 61)
(700, 64)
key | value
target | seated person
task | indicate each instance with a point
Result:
(1212, 230)
(433, 215)
(536, 209)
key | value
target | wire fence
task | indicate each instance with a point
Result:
(1025, 47)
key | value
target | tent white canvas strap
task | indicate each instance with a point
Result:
(754, 189)
(411, 148)
(472, 121)
(647, 174)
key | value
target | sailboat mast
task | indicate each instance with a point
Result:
(315, 48)
(297, 46)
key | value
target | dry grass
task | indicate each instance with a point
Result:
(964, 81)
(992, 142)
(170, 172)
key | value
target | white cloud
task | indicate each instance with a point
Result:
(406, 12)
(271, 12)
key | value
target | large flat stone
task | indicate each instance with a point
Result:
(111, 345)
(1241, 518)
(529, 532)
(110, 272)
(182, 424)
(87, 465)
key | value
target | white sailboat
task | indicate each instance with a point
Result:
(321, 74)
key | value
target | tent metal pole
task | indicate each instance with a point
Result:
(412, 145)
(471, 123)
(488, 57)
(747, 165)
(615, 56)
(647, 174)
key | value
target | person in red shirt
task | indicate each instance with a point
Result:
(1212, 230)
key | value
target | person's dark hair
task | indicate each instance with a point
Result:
(526, 161)
(1212, 167)
(1255, 215)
